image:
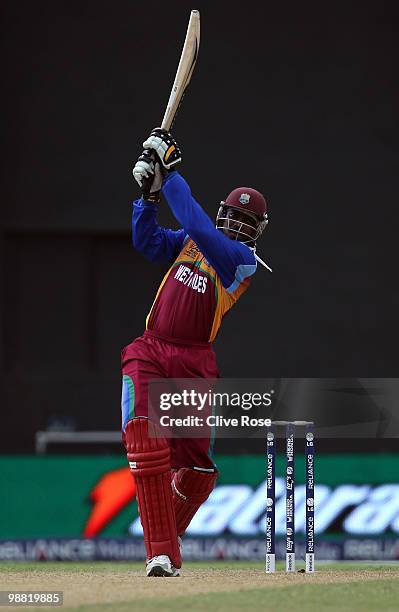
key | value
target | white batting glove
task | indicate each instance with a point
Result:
(165, 146)
(148, 173)
(143, 169)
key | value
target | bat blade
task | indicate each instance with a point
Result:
(185, 69)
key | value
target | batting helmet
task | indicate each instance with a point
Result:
(253, 205)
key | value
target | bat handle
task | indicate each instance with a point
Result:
(149, 153)
(147, 182)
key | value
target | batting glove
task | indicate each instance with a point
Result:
(165, 146)
(148, 173)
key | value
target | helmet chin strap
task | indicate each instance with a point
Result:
(262, 262)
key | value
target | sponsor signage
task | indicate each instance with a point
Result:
(348, 508)
(84, 508)
(207, 549)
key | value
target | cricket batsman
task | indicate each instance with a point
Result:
(210, 267)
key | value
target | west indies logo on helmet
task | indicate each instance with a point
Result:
(243, 215)
(244, 198)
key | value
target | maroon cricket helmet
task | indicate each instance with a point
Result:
(253, 205)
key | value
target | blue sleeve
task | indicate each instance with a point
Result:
(232, 260)
(156, 243)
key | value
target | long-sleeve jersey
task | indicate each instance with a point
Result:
(208, 272)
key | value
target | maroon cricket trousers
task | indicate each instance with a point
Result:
(150, 357)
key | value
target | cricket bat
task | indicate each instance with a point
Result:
(185, 69)
(183, 76)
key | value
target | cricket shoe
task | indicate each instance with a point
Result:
(161, 566)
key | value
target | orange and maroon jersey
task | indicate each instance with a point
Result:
(209, 270)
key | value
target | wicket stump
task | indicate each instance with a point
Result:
(289, 495)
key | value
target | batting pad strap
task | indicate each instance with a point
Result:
(149, 461)
(141, 464)
(190, 489)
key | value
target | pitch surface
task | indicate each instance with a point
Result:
(218, 586)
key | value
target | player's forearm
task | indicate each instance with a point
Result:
(145, 229)
(156, 243)
(187, 211)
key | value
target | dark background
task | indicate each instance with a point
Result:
(298, 101)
